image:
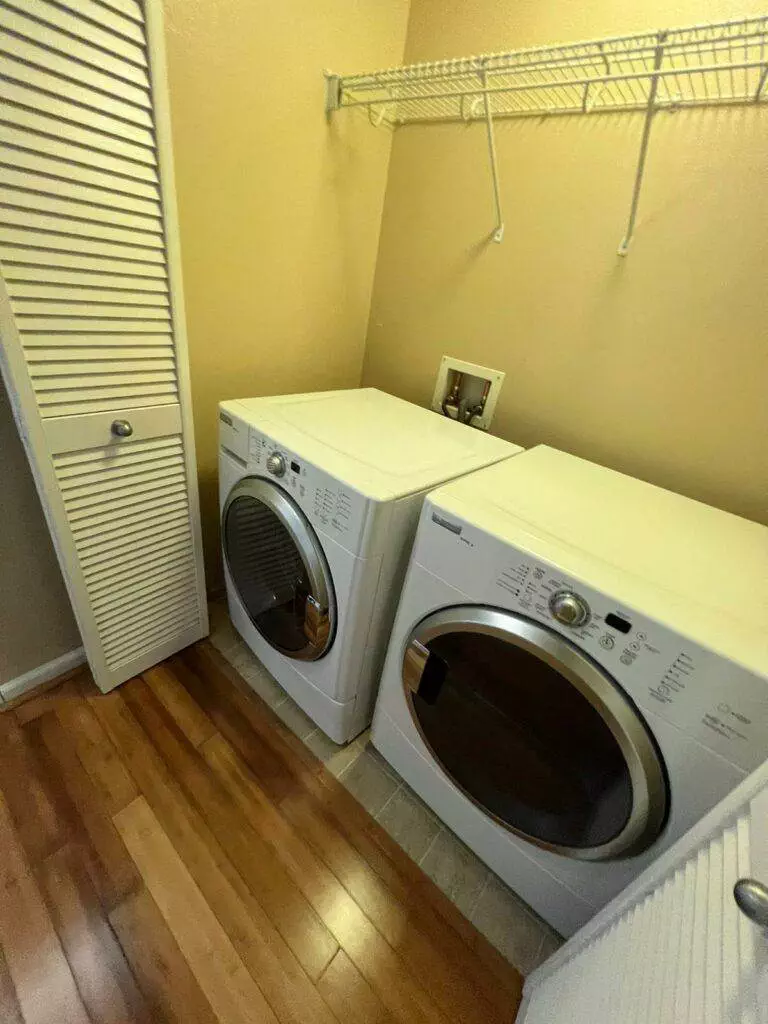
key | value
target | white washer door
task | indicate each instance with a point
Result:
(278, 568)
(535, 733)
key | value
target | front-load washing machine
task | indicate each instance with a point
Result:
(578, 671)
(320, 496)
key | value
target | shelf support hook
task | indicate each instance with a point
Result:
(498, 233)
(761, 83)
(650, 110)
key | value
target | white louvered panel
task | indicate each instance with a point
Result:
(747, 939)
(83, 326)
(13, 256)
(29, 299)
(98, 12)
(122, 38)
(69, 188)
(64, 54)
(170, 488)
(149, 585)
(91, 307)
(117, 519)
(133, 572)
(129, 616)
(83, 462)
(16, 95)
(21, 215)
(131, 366)
(72, 91)
(134, 536)
(70, 170)
(61, 241)
(41, 125)
(23, 279)
(682, 954)
(82, 160)
(130, 8)
(59, 345)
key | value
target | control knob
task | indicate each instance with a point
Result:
(569, 608)
(276, 464)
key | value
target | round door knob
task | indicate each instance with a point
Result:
(752, 899)
(121, 428)
(276, 464)
(569, 608)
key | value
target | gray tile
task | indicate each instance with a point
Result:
(456, 870)
(385, 766)
(410, 822)
(301, 725)
(552, 942)
(257, 677)
(336, 757)
(509, 925)
(223, 634)
(369, 782)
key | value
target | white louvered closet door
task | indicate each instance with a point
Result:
(674, 948)
(92, 320)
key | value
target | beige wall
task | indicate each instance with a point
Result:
(279, 211)
(36, 621)
(656, 365)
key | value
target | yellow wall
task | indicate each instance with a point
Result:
(656, 365)
(36, 620)
(279, 212)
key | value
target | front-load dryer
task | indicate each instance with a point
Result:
(577, 672)
(320, 495)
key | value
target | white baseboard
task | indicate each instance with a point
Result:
(17, 687)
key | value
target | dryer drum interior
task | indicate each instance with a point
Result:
(279, 570)
(535, 733)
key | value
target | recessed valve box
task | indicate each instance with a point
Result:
(467, 392)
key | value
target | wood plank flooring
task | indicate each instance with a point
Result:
(170, 852)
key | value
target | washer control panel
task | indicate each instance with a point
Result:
(716, 701)
(333, 508)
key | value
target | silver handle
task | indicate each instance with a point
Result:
(752, 899)
(121, 428)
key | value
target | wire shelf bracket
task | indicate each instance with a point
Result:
(719, 64)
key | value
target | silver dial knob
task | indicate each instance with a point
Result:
(276, 464)
(569, 608)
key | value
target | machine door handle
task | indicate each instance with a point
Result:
(752, 899)
(121, 428)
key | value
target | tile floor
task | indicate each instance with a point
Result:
(516, 931)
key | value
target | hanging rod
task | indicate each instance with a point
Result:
(701, 65)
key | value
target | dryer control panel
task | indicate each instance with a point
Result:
(719, 703)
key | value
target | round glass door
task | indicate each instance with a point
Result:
(278, 568)
(535, 733)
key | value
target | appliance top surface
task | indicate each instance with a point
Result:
(380, 445)
(700, 571)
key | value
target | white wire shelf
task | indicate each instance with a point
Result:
(703, 65)
(699, 66)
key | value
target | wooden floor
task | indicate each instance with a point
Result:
(171, 852)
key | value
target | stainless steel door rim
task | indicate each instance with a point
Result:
(309, 551)
(646, 772)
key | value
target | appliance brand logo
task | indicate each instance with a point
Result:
(446, 524)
